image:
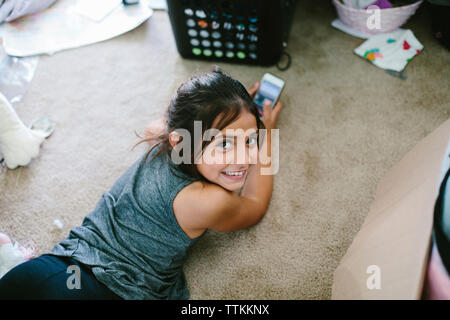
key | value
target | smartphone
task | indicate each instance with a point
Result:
(270, 87)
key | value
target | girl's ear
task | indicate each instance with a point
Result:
(174, 138)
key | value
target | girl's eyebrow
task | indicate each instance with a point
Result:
(233, 137)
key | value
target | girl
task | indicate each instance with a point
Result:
(133, 244)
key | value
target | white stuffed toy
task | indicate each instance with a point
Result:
(12, 254)
(19, 144)
(13, 9)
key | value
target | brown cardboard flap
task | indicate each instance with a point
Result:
(395, 236)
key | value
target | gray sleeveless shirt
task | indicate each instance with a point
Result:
(132, 240)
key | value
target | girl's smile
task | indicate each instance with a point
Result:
(235, 175)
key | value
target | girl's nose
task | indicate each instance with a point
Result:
(253, 155)
(246, 155)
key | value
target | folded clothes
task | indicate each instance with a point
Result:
(391, 50)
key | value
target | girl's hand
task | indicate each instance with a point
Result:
(270, 115)
(252, 90)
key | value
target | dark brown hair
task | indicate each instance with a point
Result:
(201, 98)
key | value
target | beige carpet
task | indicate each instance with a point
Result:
(345, 123)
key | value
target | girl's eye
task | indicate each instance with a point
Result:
(252, 140)
(225, 145)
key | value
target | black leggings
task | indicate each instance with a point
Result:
(52, 277)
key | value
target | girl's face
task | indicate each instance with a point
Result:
(226, 160)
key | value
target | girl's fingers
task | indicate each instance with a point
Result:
(278, 107)
(267, 115)
(252, 90)
(274, 112)
(266, 108)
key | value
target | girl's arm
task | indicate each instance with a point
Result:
(257, 186)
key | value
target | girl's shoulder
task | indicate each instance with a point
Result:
(201, 206)
(197, 204)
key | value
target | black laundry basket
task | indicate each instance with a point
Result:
(240, 31)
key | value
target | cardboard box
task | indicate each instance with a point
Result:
(388, 258)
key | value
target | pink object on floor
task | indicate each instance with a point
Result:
(13, 254)
(437, 279)
(28, 251)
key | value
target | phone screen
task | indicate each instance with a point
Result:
(267, 90)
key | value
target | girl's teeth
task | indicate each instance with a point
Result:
(234, 173)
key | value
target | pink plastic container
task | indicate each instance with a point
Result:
(390, 18)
